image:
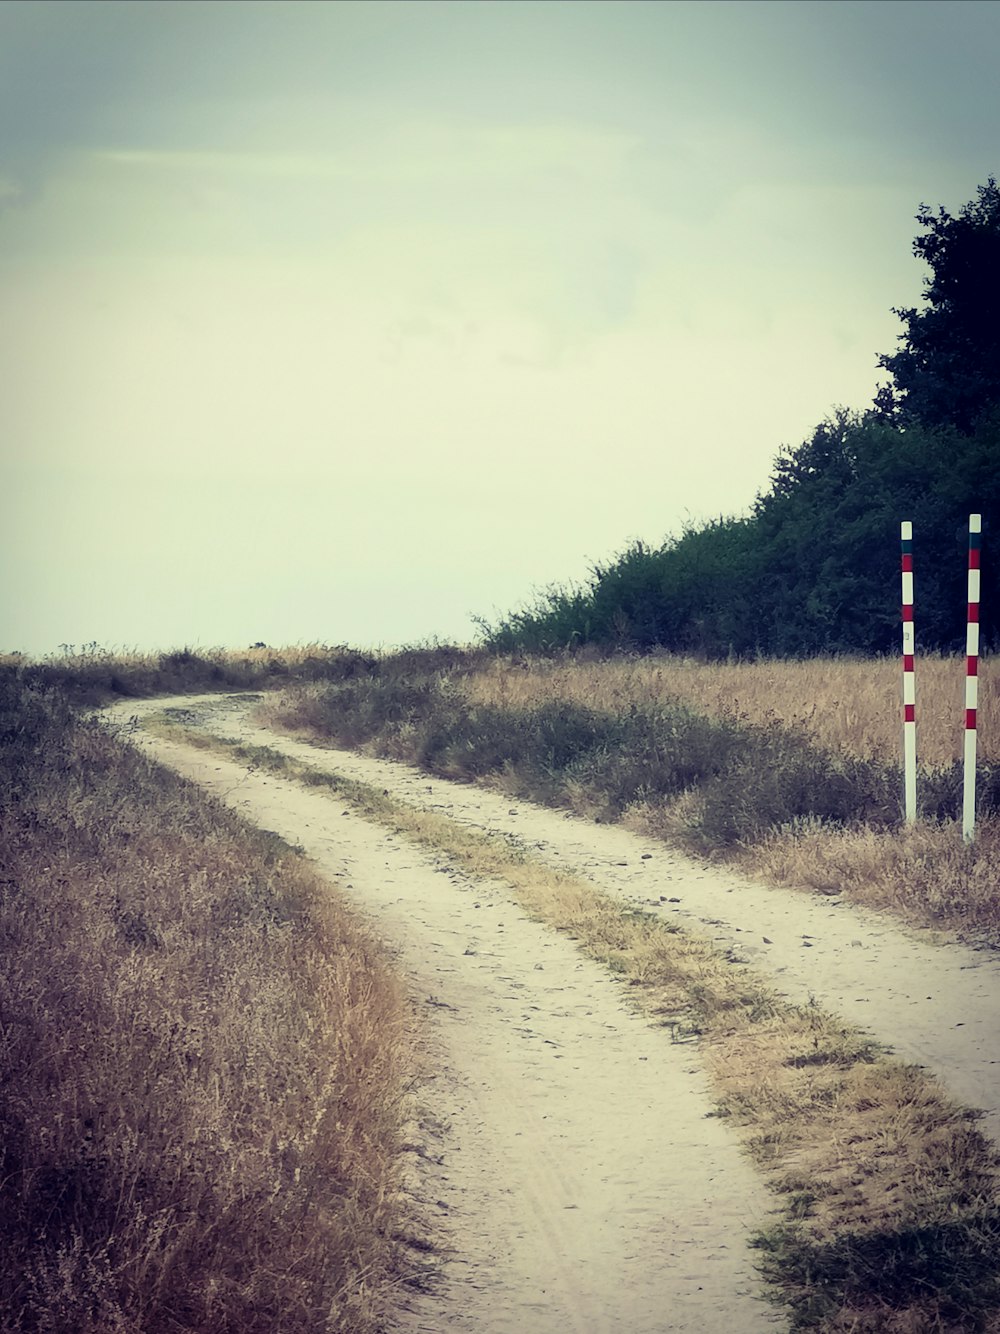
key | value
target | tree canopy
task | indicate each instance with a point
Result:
(814, 567)
(947, 370)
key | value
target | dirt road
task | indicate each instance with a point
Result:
(567, 1147)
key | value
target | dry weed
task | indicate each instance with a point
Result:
(202, 1059)
(850, 705)
(922, 873)
(93, 675)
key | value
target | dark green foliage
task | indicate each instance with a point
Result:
(947, 371)
(829, 533)
(693, 594)
(814, 568)
(952, 1262)
(782, 779)
(560, 747)
(374, 706)
(940, 791)
(561, 618)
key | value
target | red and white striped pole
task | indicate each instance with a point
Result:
(971, 681)
(909, 679)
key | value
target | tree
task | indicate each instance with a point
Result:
(947, 371)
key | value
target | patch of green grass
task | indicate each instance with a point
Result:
(939, 1275)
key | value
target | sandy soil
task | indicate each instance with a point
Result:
(565, 1146)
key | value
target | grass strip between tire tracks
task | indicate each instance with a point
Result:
(889, 1207)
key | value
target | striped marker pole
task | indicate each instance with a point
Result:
(909, 679)
(971, 681)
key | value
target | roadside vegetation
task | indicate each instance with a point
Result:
(889, 1197)
(847, 709)
(849, 706)
(723, 759)
(202, 1057)
(95, 675)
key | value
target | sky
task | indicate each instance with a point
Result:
(353, 322)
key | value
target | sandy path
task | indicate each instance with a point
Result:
(935, 1004)
(566, 1146)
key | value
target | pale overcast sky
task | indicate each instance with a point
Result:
(343, 321)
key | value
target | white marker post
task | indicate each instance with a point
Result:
(909, 680)
(971, 681)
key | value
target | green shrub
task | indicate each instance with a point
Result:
(780, 779)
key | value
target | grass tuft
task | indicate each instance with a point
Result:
(927, 1276)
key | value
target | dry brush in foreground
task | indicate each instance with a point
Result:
(201, 1064)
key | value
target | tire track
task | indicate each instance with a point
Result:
(568, 1148)
(936, 1005)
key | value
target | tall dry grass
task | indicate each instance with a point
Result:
(201, 1063)
(848, 705)
(924, 874)
(851, 707)
(717, 757)
(94, 675)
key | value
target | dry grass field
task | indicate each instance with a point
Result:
(846, 706)
(94, 675)
(202, 1061)
(791, 769)
(203, 1058)
(849, 705)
